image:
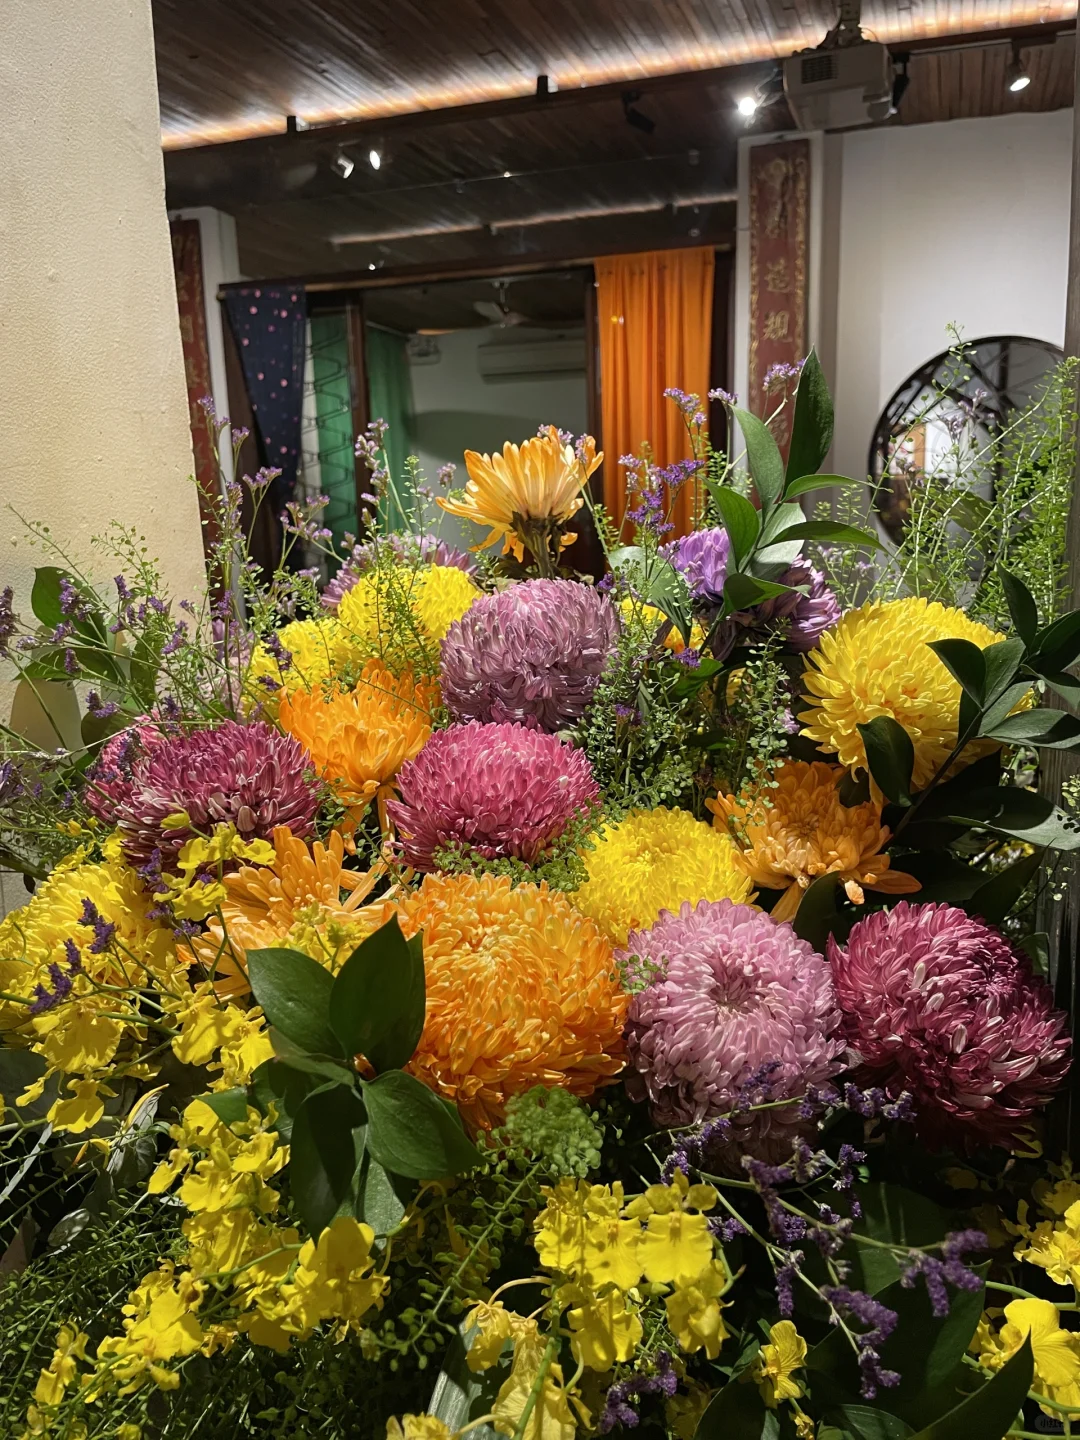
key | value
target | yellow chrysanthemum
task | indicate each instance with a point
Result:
(399, 608)
(522, 990)
(539, 482)
(318, 650)
(33, 938)
(650, 619)
(296, 901)
(792, 833)
(359, 739)
(653, 860)
(877, 661)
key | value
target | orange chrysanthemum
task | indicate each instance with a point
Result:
(359, 739)
(296, 901)
(522, 990)
(793, 833)
(537, 482)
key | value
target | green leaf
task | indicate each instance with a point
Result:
(668, 591)
(411, 1133)
(897, 1216)
(809, 483)
(338, 1072)
(294, 992)
(890, 756)
(377, 1002)
(990, 1411)
(1057, 646)
(964, 662)
(763, 458)
(45, 596)
(812, 422)
(816, 916)
(1001, 892)
(381, 1206)
(1067, 686)
(278, 1086)
(145, 663)
(230, 1106)
(737, 1412)
(863, 1423)
(1020, 813)
(780, 521)
(832, 532)
(19, 1069)
(1002, 661)
(740, 518)
(326, 1149)
(1022, 607)
(1002, 706)
(1047, 728)
(743, 591)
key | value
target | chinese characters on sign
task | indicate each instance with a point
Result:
(779, 223)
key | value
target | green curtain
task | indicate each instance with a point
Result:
(390, 399)
(333, 410)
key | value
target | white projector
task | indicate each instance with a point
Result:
(836, 88)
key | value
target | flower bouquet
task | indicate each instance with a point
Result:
(468, 996)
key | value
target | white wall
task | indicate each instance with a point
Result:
(964, 222)
(916, 227)
(456, 410)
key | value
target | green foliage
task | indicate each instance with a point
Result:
(555, 1126)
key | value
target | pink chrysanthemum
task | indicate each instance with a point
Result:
(734, 992)
(532, 653)
(502, 790)
(109, 780)
(940, 1004)
(251, 776)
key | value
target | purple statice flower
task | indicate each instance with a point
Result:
(250, 776)
(689, 405)
(8, 620)
(701, 558)
(103, 929)
(724, 396)
(950, 1269)
(738, 993)
(618, 1410)
(879, 1322)
(408, 549)
(533, 654)
(445, 474)
(262, 478)
(500, 790)
(72, 604)
(780, 374)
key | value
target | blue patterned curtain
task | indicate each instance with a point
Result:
(269, 325)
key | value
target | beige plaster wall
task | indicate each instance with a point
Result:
(93, 407)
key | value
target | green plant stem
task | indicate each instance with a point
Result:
(537, 1387)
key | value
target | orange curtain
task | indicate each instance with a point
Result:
(655, 321)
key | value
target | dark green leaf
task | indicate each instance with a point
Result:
(990, 1411)
(1047, 728)
(743, 591)
(781, 519)
(736, 1412)
(816, 916)
(812, 422)
(230, 1106)
(668, 591)
(862, 1423)
(277, 1086)
(45, 596)
(809, 483)
(294, 992)
(338, 1072)
(1002, 706)
(964, 662)
(411, 1133)
(1002, 660)
(145, 663)
(739, 517)
(1057, 646)
(763, 458)
(941, 874)
(1036, 947)
(832, 532)
(1000, 893)
(377, 1003)
(327, 1147)
(890, 757)
(381, 1206)
(1067, 686)
(897, 1216)
(19, 1069)
(1022, 607)
(1020, 813)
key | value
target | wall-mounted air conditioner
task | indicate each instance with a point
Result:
(557, 354)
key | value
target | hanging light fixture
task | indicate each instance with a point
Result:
(1016, 76)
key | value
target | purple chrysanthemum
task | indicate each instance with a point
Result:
(427, 549)
(251, 776)
(735, 993)
(532, 653)
(502, 790)
(800, 619)
(701, 558)
(939, 1003)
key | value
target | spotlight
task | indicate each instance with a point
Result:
(374, 159)
(343, 165)
(545, 85)
(634, 117)
(901, 81)
(747, 105)
(1016, 76)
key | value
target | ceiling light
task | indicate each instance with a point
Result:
(747, 105)
(343, 165)
(901, 81)
(371, 266)
(506, 174)
(1016, 76)
(374, 159)
(634, 117)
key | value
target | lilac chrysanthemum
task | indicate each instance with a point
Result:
(734, 992)
(428, 549)
(532, 653)
(701, 558)
(251, 776)
(502, 790)
(939, 1003)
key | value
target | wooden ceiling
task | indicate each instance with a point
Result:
(229, 68)
(492, 183)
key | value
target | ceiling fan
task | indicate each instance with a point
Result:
(498, 312)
